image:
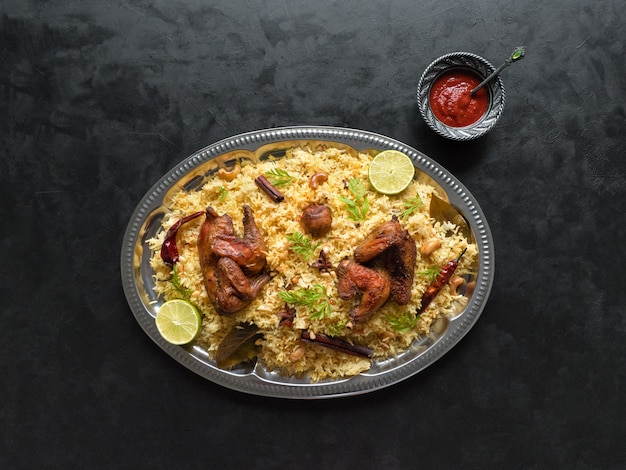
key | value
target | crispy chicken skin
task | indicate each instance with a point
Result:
(402, 259)
(248, 252)
(374, 285)
(231, 266)
(234, 289)
(392, 248)
(387, 235)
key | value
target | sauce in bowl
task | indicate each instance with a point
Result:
(451, 102)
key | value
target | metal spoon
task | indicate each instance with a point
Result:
(516, 55)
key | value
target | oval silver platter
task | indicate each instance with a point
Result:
(189, 175)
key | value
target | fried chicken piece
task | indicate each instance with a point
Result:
(392, 248)
(374, 285)
(379, 240)
(249, 251)
(231, 266)
(402, 259)
(235, 290)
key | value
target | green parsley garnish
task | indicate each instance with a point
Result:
(404, 322)
(178, 286)
(302, 245)
(357, 208)
(336, 329)
(430, 273)
(314, 298)
(410, 206)
(279, 177)
(222, 193)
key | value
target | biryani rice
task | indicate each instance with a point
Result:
(281, 349)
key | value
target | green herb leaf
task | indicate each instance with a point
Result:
(336, 329)
(431, 273)
(302, 245)
(411, 206)
(359, 206)
(314, 298)
(222, 193)
(279, 177)
(404, 322)
(178, 286)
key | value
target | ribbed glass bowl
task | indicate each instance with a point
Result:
(482, 68)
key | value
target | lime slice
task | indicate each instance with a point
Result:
(178, 321)
(391, 172)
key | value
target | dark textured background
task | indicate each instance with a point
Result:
(99, 99)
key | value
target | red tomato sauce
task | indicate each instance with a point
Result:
(451, 101)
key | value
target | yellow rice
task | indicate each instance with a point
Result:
(281, 349)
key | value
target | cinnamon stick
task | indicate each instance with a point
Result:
(267, 187)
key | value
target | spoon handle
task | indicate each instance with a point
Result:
(517, 54)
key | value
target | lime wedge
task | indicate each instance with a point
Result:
(391, 172)
(178, 321)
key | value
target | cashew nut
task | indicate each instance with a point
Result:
(430, 247)
(317, 179)
(455, 283)
(297, 352)
(230, 174)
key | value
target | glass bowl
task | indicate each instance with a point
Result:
(468, 62)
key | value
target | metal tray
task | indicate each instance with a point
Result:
(138, 282)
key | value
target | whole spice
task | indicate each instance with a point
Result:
(286, 315)
(322, 263)
(337, 344)
(169, 250)
(443, 211)
(238, 346)
(274, 194)
(441, 280)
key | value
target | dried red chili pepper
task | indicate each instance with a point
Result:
(441, 280)
(169, 250)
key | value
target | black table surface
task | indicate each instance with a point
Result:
(100, 99)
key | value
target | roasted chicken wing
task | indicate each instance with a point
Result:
(248, 252)
(231, 266)
(235, 290)
(401, 264)
(391, 248)
(388, 235)
(374, 285)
